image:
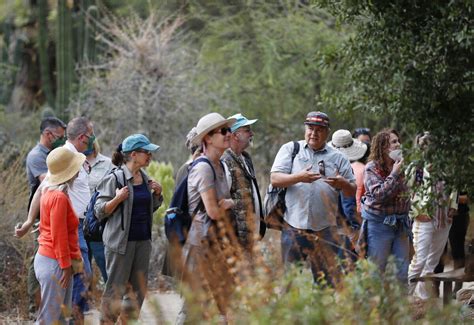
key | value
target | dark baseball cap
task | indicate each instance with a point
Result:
(317, 118)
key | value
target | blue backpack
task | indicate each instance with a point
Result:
(177, 217)
(92, 227)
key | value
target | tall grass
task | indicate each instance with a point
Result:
(14, 253)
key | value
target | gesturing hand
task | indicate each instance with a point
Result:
(337, 181)
(307, 175)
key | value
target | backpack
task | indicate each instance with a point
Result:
(177, 217)
(274, 205)
(92, 227)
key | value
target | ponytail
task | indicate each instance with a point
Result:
(117, 157)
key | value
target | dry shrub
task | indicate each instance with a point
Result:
(14, 253)
(142, 84)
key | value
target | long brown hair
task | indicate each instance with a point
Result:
(379, 145)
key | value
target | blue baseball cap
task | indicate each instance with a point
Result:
(138, 141)
(240, 121)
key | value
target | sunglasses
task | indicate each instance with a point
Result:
(222, 131)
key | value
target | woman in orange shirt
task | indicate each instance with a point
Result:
(58, 251)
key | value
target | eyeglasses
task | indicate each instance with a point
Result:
(146, 152)
(89, 136)
(222, 131)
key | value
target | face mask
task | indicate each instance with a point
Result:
(58, 142)
(90, 144)
(88, 152)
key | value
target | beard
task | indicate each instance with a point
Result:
(251, 143)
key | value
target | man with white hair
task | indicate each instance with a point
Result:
(243, 186)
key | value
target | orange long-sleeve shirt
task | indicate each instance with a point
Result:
(59, 238)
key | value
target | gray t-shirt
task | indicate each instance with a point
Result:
(36, 164)
(312, 205)
(200, 180)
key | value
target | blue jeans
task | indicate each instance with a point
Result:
(320, 247)
(81, 280)
(97, 248)
(383, 241)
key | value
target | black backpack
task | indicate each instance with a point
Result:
(177, 217)
(274, 205)
(92, 227)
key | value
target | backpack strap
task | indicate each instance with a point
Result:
(119, 186)
(200, 205)
(296, 149)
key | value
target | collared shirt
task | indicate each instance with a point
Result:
(100, 166)
(313, 205)
(384, 194)
(36, 164)
(79, 192)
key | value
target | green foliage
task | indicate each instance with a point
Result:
(363, 297)
(163, 174)
(263, 59)
(414, 61)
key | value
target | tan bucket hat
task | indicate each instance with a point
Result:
(209, 122)
(63, 164)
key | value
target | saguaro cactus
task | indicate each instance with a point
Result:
(43, 42)
(90, 52)
(64, 57)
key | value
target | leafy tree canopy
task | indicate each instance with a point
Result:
(413, 60)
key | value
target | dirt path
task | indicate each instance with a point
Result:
(168, 303)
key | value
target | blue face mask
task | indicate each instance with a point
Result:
(88, 152)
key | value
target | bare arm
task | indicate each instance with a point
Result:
(286, 180)
(32, 213)
(215, 210)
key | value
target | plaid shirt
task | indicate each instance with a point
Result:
(385, 194)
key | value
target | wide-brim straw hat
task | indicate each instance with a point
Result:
(209, 122)
(63, 164)
(354, 149)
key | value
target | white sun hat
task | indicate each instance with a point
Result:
(342, 140)
(209, 122)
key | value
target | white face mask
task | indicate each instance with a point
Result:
(396, 155)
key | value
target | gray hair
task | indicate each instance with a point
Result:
(77, 126)
(189, 144)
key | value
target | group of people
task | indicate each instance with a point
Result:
(339, 194)
(64, 173)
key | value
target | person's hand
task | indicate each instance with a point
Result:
(451, 213)
(397, 166)
(307, 175)
(423, 218)
(337, 181)
(22, 229)
(122, 194)
(226, 204)
(66, 277)
(155, 187)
